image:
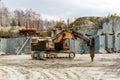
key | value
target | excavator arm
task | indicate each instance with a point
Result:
(89, 41)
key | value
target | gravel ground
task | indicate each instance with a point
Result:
(22, 67)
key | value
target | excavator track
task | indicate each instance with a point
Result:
(53, 55)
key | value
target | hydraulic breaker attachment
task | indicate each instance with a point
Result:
(92, 54)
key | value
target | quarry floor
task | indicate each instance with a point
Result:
(22, 67)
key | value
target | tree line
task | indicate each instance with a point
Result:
(24, 18)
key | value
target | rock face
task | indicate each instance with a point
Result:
(111, 30)
(102, 44)
(112, 27)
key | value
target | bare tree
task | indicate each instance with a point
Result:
(27, 18)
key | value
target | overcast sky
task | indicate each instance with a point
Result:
(64, 9)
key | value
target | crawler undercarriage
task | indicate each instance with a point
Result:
(52, 54)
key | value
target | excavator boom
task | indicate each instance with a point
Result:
(62, 36)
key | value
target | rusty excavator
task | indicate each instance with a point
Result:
(55, 48)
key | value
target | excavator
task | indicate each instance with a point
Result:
(55, 47)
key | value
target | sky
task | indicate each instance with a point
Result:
(64, 9)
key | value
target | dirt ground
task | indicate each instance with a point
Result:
(22, 67)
